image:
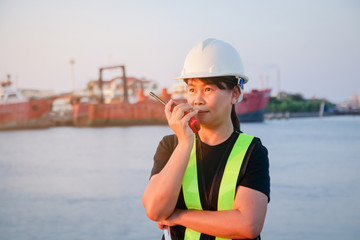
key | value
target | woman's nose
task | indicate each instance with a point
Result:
(198, 100)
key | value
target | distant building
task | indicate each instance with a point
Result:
(281, 95)
(8, 91)
(352, 104)
(113, 90)
(34, 93)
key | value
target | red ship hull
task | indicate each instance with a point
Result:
(147, 112)
(30, 114)
(252, 107)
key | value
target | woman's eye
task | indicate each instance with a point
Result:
(191, 90)
(207, 89)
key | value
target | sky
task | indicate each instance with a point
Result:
(314, 45)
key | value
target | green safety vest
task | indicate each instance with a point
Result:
(228, 182)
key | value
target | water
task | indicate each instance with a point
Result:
(87, 183)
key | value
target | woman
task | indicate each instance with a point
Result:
(215, 182)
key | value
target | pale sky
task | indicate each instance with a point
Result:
(314, 44)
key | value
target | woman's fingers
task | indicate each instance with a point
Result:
(178, 111)
(167, 109)
(161, 226)
(178, 118)
(191, 114)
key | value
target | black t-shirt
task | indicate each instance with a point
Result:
(255, 172)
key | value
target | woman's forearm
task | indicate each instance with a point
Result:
(161, 195)
(227, 224)
(244, 221)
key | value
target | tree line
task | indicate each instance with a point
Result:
(286, 102)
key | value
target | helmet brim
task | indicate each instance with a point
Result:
(207, 75)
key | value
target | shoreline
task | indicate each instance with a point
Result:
(287, 115)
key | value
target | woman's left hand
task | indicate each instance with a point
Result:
(172, 220)
(161, 226)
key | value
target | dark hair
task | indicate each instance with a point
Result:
(224, 83)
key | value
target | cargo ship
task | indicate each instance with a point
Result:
(252, 107)
(17, 112)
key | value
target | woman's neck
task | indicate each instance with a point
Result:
(214, 136)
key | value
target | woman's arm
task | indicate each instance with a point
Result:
(161, 194)
(244, 221)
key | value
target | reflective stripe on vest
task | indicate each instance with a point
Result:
(228, 183)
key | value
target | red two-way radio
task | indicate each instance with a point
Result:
(193, 122)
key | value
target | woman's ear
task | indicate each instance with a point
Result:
(235, 94)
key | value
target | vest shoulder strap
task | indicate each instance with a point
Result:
(190, 183)
(228, 182)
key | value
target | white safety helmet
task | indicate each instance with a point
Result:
(214, 58)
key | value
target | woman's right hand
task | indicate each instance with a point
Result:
(179, 122)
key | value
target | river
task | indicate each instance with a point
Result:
(87, 183)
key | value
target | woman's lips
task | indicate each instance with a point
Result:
(202, 112)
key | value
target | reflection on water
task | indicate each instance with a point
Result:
(87, 183)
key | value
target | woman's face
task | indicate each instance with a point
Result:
(214, 104)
